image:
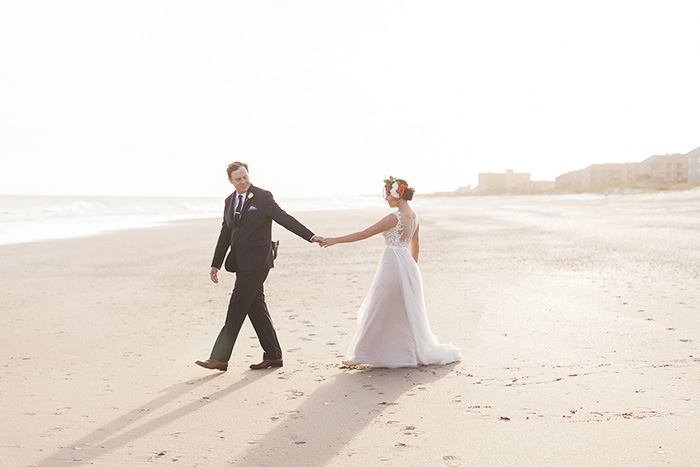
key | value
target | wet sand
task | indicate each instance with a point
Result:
(578, 318)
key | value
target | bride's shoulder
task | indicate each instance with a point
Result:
(391, 219)
(411, 215)
(398, 216)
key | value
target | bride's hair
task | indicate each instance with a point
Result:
(408, 192)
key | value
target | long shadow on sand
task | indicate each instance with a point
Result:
(337, 412)
(127, 428)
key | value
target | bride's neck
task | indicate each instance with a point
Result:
(403, 206)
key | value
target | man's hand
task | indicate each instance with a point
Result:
(214, 275)
(319, 240)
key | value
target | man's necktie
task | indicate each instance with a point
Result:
(239, 205)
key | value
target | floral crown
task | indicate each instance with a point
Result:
(393, 187)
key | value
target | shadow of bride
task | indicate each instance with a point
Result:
(319, 428)
(126, 429)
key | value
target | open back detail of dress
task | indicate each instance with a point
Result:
(392, 324)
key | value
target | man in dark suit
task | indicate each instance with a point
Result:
(246, 233)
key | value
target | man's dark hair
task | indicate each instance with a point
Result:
(233, 166)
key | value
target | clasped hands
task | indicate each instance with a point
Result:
(324, 242)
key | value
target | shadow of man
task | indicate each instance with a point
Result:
(336, 413)
(126, 428)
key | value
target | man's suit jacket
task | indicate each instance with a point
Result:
(250, 241)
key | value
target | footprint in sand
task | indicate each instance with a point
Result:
(293, 394)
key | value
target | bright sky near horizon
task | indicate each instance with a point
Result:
(320, 98)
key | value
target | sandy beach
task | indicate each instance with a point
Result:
(578, 318)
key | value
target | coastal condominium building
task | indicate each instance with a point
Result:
(677, 168)
(598, 175)
(668, 168)
(603, 174)
(504, 182)
(694, 166)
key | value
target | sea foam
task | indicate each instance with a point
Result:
(37, 218)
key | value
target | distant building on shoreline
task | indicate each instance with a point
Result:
(596, 175)
(673, 168)
(669, 168)
(510, 182)
(670, 171)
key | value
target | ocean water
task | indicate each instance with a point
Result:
(36, 218)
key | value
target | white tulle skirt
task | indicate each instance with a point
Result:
(392, 324)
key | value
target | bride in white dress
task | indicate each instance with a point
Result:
(392, 324)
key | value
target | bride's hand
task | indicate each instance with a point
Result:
(329, 241)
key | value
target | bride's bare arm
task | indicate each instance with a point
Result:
(415, 247)
(385, 224)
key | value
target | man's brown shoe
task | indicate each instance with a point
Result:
(266, 364)
(212, 364)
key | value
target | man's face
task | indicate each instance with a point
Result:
(239, 179)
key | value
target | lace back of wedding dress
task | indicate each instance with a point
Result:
(400, 235)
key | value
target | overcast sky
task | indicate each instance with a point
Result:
(325, 97)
